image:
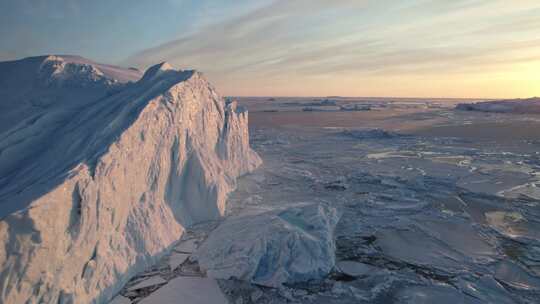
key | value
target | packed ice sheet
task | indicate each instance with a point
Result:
(424, 218)
(192, 290)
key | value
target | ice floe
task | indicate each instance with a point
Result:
(192, 290)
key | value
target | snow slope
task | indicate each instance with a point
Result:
(98, 177)
(32, 86)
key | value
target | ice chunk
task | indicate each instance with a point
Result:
(486, 289)
(188, 290)
(355, 269)
(510, 224)
(177, 259)
(188, 246)
(369, 134)
(440, 244)
(274, 247)
(433, 294)
(516, 277)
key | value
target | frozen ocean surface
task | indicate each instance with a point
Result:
(434, 208)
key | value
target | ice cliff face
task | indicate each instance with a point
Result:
(92, 192)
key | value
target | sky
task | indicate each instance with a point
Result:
(397, 48)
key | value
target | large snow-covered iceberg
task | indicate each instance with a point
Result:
(289, 245)
(101, 171)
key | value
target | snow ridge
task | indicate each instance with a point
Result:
(56, 72)
(93, 195)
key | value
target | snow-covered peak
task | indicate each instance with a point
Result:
(52, 58)
(117, 73)
(62, 71)
(56, 72)
(165, 66)
(161, 70)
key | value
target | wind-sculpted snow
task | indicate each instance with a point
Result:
(50, 87)
(93, 189)
(55, 72)
(76, 71)
(289, 245)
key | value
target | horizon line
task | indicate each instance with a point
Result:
(379, 97)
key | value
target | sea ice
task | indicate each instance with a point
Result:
(177, 259)
(510, 224)
(515, 276)
(369, 134)
(120, 300)
(190, 290)
(148, 282)
(188, 246)
(434, 294)
(355, 269)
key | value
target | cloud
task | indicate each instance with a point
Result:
(252, 44)
(316, 38)
(258, 37)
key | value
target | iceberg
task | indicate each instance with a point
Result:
(272, 248)
(102, 169)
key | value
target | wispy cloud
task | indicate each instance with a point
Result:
(303, 39)
(266, 46)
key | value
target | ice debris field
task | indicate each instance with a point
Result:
(426, 211)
